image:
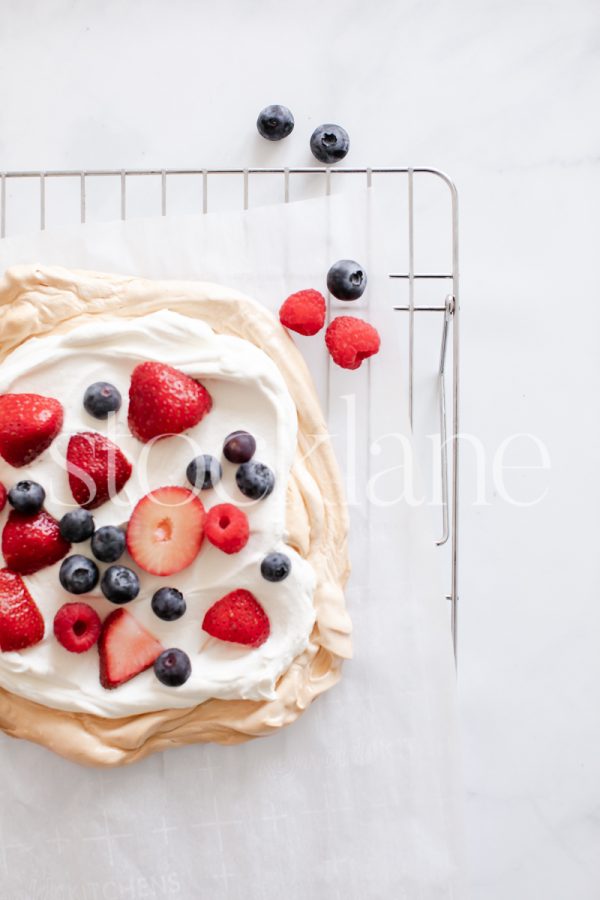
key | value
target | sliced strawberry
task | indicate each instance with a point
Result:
(77, 627)
(31, 542)
(165, 530)
(97, 469)
(21, 622)
(238, 617)
(164, 401)
(28, 425)
(125, 648)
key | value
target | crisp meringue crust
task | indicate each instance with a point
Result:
(251, 695)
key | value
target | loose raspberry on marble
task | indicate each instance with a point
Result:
(303, 312)
(97, 469)
(21, 622)
(28, 425)
(351, 340)
(227, 527)
(239, 618)
(164, 401)
(32, 542)
(77, 627)
(166, 530)
(126, 648)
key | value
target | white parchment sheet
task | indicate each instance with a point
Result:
(361, 798)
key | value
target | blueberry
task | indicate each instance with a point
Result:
(77, 526)
(120, 584)
(101, 398)
(346, 280)
(173, 667)
(204, 472)
(329, 143)
(275, 122)
(78, 574)
(27, 497)
(239, 447)
(255, 480)
(276, 567)
(168, 604)
(108, 543)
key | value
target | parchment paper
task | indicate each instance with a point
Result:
(362, 797)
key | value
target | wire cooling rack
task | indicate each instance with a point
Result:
(447, 309)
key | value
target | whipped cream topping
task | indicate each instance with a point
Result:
(248, 393)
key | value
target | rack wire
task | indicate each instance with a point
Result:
(449, 309)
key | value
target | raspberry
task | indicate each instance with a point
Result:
(350, 340)
(227, 527)
(77, 627)
(303, 312)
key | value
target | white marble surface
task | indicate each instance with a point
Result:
(503, 95)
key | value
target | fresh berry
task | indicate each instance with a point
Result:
(125, 649)
(227, 527)
(351, 340)
(77, 526)
(239, 618)
(204, 472)
(275, 567)
(101, 399)
(120, 584)
(346, 280)
(27, 496)
(31, 542)
(3, 496)
(164, 401)
(21, 622)
(239, 447)
(168, 604)
(255, 480)
(303, 312)
(108, 543)
(165, 530)
(275, 122)
(173, 667)
(329, 143)
(28, 425)
(78, 574)
(77, 627)
(97, 469)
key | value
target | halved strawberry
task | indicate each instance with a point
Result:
(126, 648)
(166, 530)
(32, 541)
(28, 425)
(97, 469)
(21, 622)
(164, 401)
(238, 617)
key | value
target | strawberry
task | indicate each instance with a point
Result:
(28, 425)
(227, 527)
(77, 627)
(97, 469)
(350, 340)
(303, 312)
(164, 401)
(21, 622)
(3, 496)
(125, 648)
(239, 618)
(166, 529)
(31, 541)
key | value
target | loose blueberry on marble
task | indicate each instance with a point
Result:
(275, 567)
(173, 667)
(329, 143)
(255, 480)
(120, 584)
(77, 526)
(108, 543)
(204, 472)
(168, 604)
(239, 447)
(346, 280)
(27, 497)
(101, 399)
(275, 122)
(78, 574)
